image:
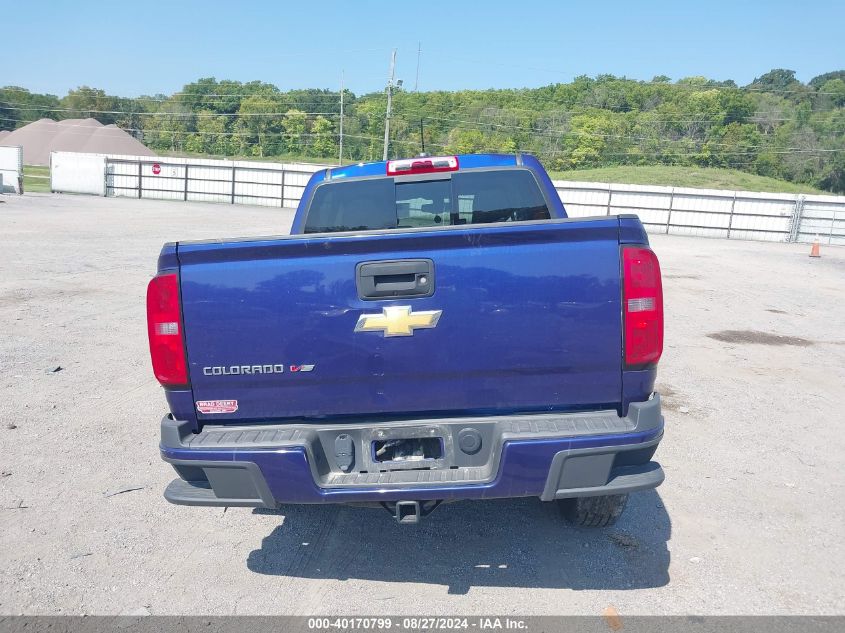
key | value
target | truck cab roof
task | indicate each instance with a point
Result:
(424, 168)
(464, 161)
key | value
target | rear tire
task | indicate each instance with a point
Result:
(593, 511)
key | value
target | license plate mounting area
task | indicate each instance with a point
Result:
(407, 448)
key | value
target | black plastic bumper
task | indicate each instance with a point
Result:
(550, 456)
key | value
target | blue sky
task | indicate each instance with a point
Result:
(146, 47)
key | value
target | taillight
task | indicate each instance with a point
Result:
(164, 326)
(422, 165)
(643, 306)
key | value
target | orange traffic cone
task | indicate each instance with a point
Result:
(814, 251)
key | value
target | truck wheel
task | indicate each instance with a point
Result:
(593, 511)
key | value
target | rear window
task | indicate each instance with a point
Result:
(469, 197)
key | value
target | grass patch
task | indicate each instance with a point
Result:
(699, 177)
(36, 178)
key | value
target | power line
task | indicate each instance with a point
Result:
(564, 133)
(506, 110)
(639, 119)
(639, 154)
(200, 115)
(502, 109)
(310, 93)
(638, 114)
(154, 131)
(688, 150)
(604, 83)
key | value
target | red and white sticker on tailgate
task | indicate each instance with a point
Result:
(217, 406)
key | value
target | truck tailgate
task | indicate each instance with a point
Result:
(529, 319)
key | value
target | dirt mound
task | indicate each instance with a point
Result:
(89, 136)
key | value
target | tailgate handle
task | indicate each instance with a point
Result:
(395, 279)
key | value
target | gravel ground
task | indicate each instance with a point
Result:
(749, 521)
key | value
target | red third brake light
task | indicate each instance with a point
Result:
(422, 165)
(643, 306)
(165, 331)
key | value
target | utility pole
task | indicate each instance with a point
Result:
(340, 154)
(389, 103)
(422, 139)
(417, 80)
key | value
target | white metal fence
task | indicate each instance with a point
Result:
(776, 217)
(11, 169)
(822, 216)
(674, 210)
(235, 182)
(171, 178)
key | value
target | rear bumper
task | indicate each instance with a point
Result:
(550, 456)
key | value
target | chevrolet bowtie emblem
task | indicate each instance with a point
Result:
(398, 321)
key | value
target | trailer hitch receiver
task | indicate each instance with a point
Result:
(409, 512)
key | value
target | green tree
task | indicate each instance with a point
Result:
(19, 107)
(778, 79)
(592, 135)
(85, 102)
(834, 89)
(294, 126)
(211, 136)
(779, 127)
(169, 128)
(820, 80)
(369, 115)
(735, 145)
(466, 142)
(259, 125)
(324, 138)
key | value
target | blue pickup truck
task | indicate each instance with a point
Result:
(433, 329)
